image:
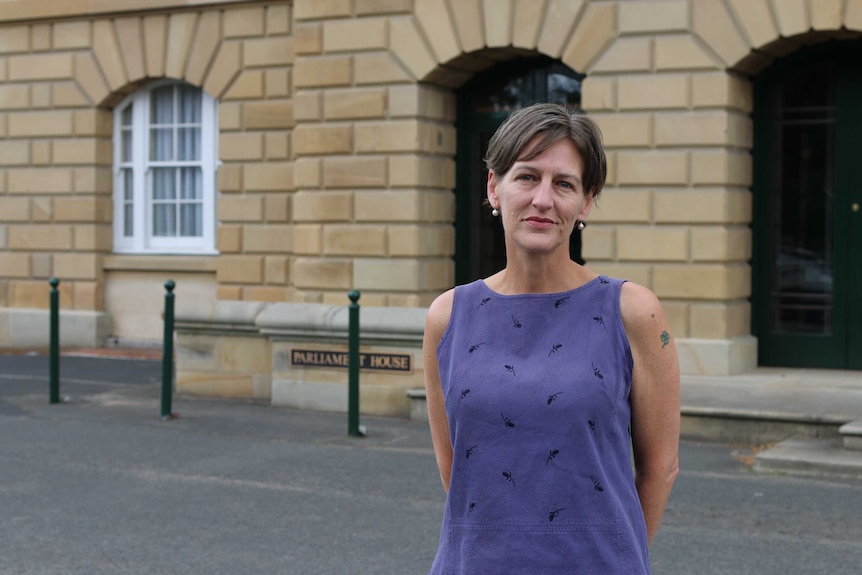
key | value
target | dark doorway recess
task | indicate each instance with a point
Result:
(483, 104)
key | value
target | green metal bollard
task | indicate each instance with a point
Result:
(353, 427)
(54, 345)
(168, 352)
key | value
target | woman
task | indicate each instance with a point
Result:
(541, 378)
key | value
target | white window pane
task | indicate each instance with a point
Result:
(190, 105)
(128, 219)
(164, 184)
(127, 115)
(191, 219)
(189, 144)
(161, 144)
(191, 184)
(128, 184)
(162, 105)
(164, 220)
(126, 146)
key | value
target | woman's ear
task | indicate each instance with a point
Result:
(491, 191)
(588, 206)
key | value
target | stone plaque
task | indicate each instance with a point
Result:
(400, 362)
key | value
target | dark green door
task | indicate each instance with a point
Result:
(483, 104)
(807, 220)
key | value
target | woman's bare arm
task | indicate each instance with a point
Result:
(435, 325)
(654, 401)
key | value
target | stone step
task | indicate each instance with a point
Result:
(718, 424)
(851, 433)
(752, 426)
(714, 424)
(811, 457)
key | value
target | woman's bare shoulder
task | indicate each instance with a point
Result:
(640, 308)
(439, 313)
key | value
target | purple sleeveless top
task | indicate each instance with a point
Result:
(537, 396)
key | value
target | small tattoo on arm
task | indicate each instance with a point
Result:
(665, 339)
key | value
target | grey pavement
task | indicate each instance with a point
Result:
(101, 485)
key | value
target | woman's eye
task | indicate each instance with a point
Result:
(568, 185)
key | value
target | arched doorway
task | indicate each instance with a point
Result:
(483, 104)
(807, 195)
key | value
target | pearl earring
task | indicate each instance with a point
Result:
(580, 224)
(495, 212)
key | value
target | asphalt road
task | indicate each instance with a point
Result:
(101, 485)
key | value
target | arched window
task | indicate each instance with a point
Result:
(483, 104)
(165, 138)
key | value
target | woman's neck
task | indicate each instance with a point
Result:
(539, 275)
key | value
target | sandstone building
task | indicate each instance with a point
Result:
(269, 156)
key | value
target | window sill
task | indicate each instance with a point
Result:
(160, 262)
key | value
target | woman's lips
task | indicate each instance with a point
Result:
(540, 222)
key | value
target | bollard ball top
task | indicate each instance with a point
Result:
(54, 282)
(170, 285)
(353, 295)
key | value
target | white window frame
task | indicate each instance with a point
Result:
(142, 240)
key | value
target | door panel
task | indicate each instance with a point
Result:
(848, 167)
(806, 266)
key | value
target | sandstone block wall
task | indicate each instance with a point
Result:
(60, 76)
(374, 160)
(669, 81)
(337, 137)
(368, 138)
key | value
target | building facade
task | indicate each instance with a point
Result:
(269, 156)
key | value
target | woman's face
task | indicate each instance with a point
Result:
(541, 199)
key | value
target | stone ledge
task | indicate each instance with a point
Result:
(218, 317)
(722, 426)
(207, 354)
(305, 321)
(326, 322)
(852, 434)
(120, 262)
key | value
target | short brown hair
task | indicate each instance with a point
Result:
(550, 123)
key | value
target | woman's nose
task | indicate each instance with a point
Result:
(543, 196)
